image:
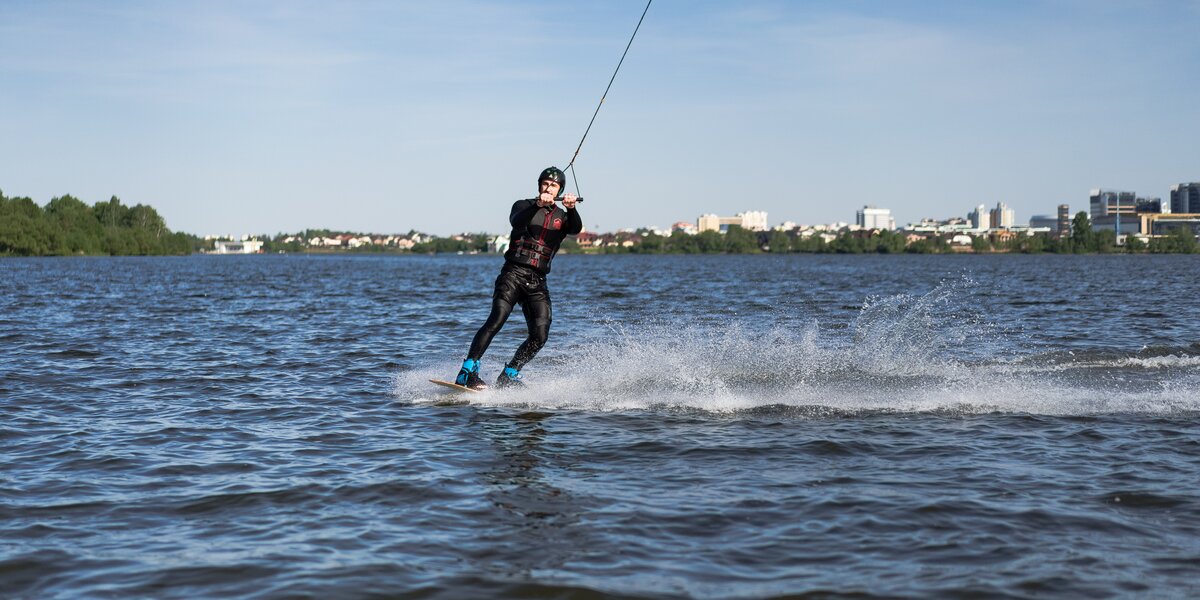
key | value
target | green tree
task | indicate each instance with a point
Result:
(570, 246)
(146, 219)
(813, 243)
(845, 243)
(68, 226)
(709, 242)
(24, 230)
(652, 243)
(1061, 245)
(1185, 240)
(81, 232)
(1031, 244)
(1134, 244)
(1180, 240)
(479, 242)
(890, 242)
(177, 243)
(934, 244)
(1082, 238)
(681, 242)
(111, 214)
(981, 243)
(779, 242)
(740, 241)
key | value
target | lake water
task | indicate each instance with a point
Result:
(697, 426)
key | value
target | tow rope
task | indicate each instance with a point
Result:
(571, 164)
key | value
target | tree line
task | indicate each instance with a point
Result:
(68, 226)
(476, 242)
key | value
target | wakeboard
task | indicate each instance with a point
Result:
(454, 386)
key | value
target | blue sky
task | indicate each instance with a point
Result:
(240, 117)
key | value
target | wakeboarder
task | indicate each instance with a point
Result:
(538, 228)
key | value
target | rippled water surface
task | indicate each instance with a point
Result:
(708, 426)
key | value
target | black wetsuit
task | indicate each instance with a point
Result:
(536, 235)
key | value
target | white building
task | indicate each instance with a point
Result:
(871, 217)
(981, 219)
(753, 220)
(499, 244)
(1003, 217)
(238, 247)
(952, 226)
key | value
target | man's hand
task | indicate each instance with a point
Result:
(545, 199)
(569, 201)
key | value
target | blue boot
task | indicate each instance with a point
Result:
(468, 375)
(509, 378)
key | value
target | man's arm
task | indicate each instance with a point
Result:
(522, 210)
(574, 222)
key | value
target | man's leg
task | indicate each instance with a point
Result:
(537, 318)
(502, 305)
(501, 309)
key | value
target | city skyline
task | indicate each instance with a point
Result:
(999, 216)
(278, 117)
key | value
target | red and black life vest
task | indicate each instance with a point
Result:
(538, 232)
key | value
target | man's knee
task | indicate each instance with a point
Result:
(539, 332)
(493, 326)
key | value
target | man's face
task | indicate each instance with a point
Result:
(548, 187)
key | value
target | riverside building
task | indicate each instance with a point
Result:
(981, 219)
(1159, 224)
(1118, 211)
(754, 220)
(1185, 198)
(871, 217)
(1003, 217)
(237, 247)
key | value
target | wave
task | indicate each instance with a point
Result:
(929, 353)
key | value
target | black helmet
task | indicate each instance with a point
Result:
(556, 175)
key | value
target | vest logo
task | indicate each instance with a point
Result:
(558, 223)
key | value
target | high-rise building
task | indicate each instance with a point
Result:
(1117, 211)
(1185, 198)
(1003, 217)
(1109, 203)
(981, 219)
(871, 217)
(1064, 220)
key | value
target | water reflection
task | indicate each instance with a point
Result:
(535, 526)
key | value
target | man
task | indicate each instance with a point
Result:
(539, 227)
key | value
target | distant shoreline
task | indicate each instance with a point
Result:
(342, 253)
(67, 226)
